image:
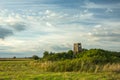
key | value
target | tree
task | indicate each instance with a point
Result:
(14, 57)
(35, 57)
(70, 54)
(84, 49)
(46, 53)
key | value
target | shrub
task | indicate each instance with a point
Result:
(35, 57)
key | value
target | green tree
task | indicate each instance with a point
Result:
(35, 57)
(14, 57)
(45, 54)
(70, 54)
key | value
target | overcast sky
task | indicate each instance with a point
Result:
(30, 27)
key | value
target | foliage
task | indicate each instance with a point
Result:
(93, 55)
(45, 54)
(14, 57)
(99, 56)
(65, 65)
(92, 60)
(57, 56)
(35, 57)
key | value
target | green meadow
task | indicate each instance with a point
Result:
(26, 70)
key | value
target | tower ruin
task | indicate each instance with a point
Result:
(77, 48)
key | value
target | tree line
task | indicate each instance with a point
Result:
(92, 55)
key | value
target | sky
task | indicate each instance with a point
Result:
(30, 27)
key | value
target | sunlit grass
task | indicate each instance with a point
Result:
(23, 70)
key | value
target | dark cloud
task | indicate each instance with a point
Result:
(5, 32)
(19, 26)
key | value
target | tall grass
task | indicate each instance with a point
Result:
(114, 67)
(37, 70)
(75, 65)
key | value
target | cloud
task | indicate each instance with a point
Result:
(9, 30)
(18, 26)
(5, 32)
(86, 15)
(59, 48)
(104, 33)
(50, 13)
(109, 10)
(49, 28)
(11, 23)
(15, 45)
(90, 4)
(53, 15)
(55, 25)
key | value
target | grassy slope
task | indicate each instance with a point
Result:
(21, 70)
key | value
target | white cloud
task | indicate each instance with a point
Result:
(105, 33)
(9, 17)
(108, 10)
(36, 25)
(51, 29)
(93, 5)
(82, 16)
(50, 14)
(98, 26)
(18, 45)
(49, 24)
(86, 15)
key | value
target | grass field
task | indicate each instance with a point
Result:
(21, 70)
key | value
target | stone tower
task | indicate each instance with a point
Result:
(77, 48)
